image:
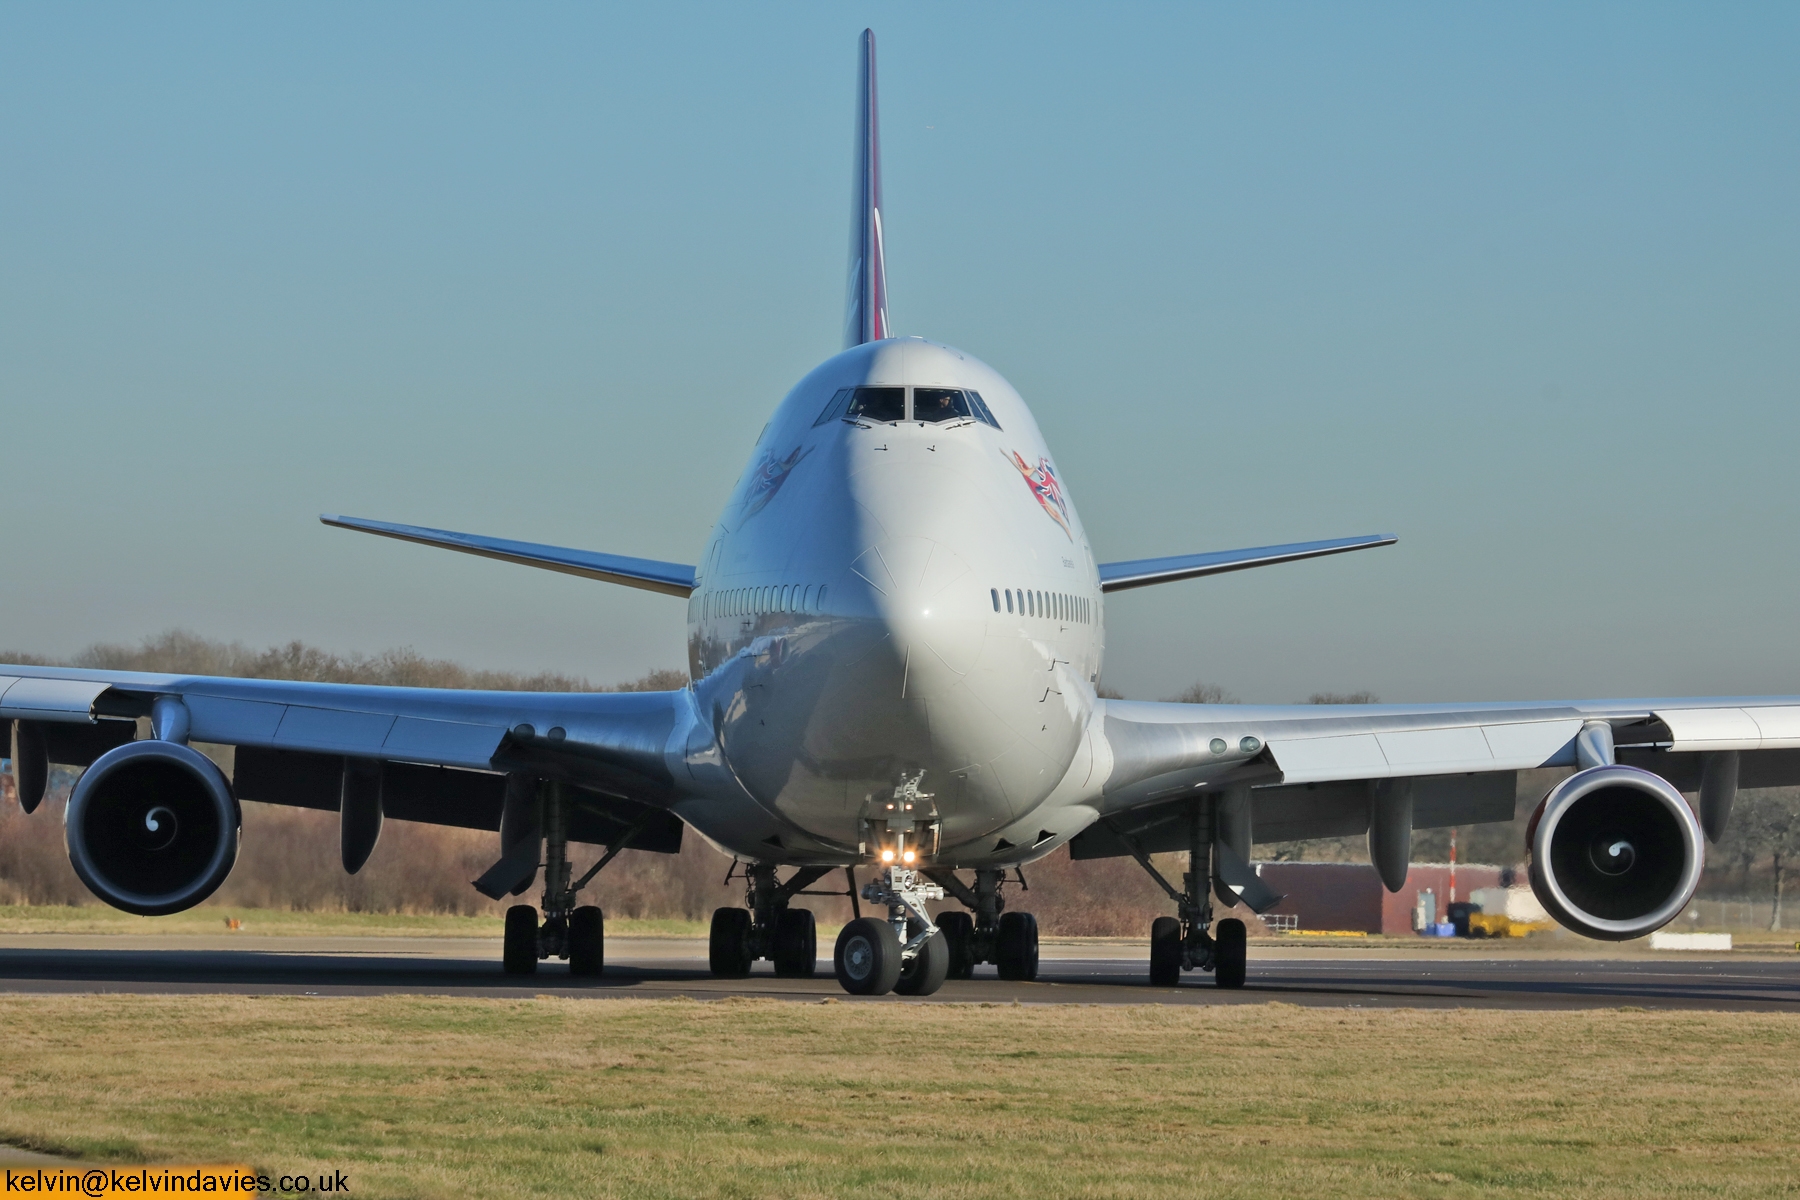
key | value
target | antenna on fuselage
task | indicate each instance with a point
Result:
(865, 309)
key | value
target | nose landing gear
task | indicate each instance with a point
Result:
(906, 953)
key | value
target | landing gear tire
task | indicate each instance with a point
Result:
(587, 942)
(1017, 955)
(867, 957)
(925, 973)
(728, 949)
(1230, 953)
(1165, 952)
(796, 944)
(958, 932)
(519, 952)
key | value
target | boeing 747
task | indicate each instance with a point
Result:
(895, 634)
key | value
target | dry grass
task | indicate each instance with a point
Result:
(210, 921)
(456, 1097)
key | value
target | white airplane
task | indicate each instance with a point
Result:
(895, 632)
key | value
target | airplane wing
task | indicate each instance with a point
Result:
(1311, 769)
(672, 579)
(447, 750)
(1142, 572)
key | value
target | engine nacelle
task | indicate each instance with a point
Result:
(152, 827)
(1615, 852)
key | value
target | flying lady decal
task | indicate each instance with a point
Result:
(767, 479)
(1043, 483)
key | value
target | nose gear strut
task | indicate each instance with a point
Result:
(906, 952)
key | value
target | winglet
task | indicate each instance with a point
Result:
(865, 308)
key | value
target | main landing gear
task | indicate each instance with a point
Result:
(1218, 841)
(768, 927)
(987, 933)
(536, 814)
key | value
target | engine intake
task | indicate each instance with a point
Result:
(1615, 852)
(152, 827)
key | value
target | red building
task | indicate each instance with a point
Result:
(1350, 896)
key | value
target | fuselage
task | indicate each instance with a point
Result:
(900, 584)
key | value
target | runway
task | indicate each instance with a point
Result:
(1068, 974)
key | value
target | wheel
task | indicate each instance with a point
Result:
(1018, 949)
(587, 941)
(728, 950)
(958, 929)
(518, 952)
(867, 957)
(925, 973)
(796, 944)
(1230, 953)
(1165, 952)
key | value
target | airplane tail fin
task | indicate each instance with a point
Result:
(865, 310)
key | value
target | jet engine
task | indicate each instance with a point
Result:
(1615, 852)
(152, 827)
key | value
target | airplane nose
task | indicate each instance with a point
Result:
(931, 608)
(913, 588)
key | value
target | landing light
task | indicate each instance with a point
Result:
(908, 856)
(887, 856)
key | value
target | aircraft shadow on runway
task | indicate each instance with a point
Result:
(1550, 983)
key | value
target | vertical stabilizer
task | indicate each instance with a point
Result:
(865, 311)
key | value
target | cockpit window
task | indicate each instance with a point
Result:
(835, 409)
(940, 404)
(878, 404)
(982, 411)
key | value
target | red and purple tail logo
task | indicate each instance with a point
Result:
(1043, 483)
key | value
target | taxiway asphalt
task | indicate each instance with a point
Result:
(1068, 974)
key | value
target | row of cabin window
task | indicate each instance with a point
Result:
(1058, 605)
(786, 597)
(889, 404)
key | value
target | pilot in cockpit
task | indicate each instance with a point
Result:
(933, 404)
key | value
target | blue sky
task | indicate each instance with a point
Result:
(1520, 283)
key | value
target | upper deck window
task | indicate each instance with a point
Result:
(941, 404)
(878, 404)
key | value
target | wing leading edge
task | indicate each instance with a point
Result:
(671, 579)
(603, 738)
(1312, 768)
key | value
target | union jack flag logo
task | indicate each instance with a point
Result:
(1043, 483)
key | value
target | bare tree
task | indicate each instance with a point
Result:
(1204, 693)
(1767, 821)
(1343, 698)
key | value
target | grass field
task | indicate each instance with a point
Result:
(453, 1098)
